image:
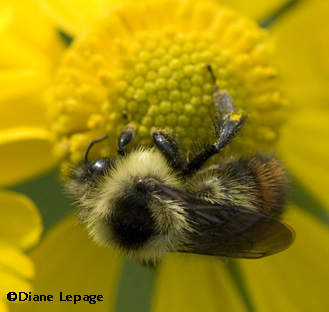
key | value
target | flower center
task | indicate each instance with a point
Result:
(145, 64)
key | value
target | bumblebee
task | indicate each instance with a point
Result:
(152, 200)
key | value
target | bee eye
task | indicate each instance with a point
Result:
(99, 166)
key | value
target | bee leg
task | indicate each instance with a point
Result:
(229, 123)
(229, 120)
(168, 147)
(125, 138)
(222, 100)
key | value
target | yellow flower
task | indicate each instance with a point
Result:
(156, 78)
(292, 281)
(29, 51)
(20, 229)
(24, 72)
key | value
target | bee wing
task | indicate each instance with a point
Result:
(228, 230)
(233, 231)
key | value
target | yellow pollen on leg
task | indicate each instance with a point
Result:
(235, 117)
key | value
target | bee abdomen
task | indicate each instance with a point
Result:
(272, 182)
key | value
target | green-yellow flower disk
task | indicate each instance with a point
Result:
(145, 64)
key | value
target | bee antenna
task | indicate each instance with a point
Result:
(211, 72)
(91, 144)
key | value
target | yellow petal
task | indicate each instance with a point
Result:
(16, 83)
(6, 14)
(305, 151)
(25, 152)
(20, 101)
(15, 53)
(12, 260)
(68, 260)
(302, 57)
(302, 51)
(15, 270)
(194, 283)
(3, 306)
(27, 25)
(12, 282)
(30, 47)
(20, 221)
(75, 15)
(296, 279)
(256, 9)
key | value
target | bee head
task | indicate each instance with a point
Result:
(132, 222)
(122, 203)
